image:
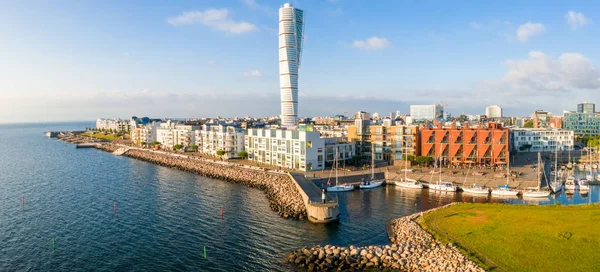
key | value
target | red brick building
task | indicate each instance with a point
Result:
(480, 145)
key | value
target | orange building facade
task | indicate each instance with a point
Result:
(480, 145)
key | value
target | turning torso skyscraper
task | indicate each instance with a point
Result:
(291, 34)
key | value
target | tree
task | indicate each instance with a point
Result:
(143, 143)
(178, 146)
(424, 160)
(528, 124)
(525, 147)
(221, 153)
(243, 154)
(410, 158)
(193, 147)
(155, 143)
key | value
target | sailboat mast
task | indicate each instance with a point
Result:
(372, 161)
(405, 163)
(336, 165)
(555, 164)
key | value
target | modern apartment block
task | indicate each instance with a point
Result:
(170, 134)
(144, 134)
(541, 139)
(422, 113)
(541, 119)
(493, 111)
(297, 149)
(467, 145)
(582, 124)
(212, 138)
(291, 35)
(586, 107)
(390, 143)
(113, 124)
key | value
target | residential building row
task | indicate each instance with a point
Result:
(114, 124)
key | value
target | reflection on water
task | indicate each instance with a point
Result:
(165, 217)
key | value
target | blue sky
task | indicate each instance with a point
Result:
(79, 60)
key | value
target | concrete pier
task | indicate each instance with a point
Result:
(320, 206)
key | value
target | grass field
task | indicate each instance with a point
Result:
(101, 136)
(522, 238)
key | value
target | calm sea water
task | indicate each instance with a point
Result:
(166, 218)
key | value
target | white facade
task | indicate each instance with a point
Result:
(212, 138)
(291, 35)
(493, 111)
(114, 124)
(170, 134)
(144, 134)
(292, 149)
(426, 112)
(542, 139)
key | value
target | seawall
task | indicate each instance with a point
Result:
(412, 249)
(279, 189)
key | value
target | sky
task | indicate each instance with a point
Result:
(81, 60)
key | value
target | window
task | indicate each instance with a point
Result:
(320, 150)
(273, 133)
(309, 144)
(320, 158)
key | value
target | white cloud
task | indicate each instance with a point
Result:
(253, 74)
(475, 25)
(372, 44)
(528, 30)
(539, 74)
(251, 4)
(217, 19)
(576, 19)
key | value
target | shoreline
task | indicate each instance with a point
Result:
(412, 248)
(284, 198)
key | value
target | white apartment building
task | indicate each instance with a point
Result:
(114, 124)
(212, 138)
(294, 149)
(542, 139)
(170, 134)
(493, 111)
(144, 134)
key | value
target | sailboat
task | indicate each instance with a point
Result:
(408, 182)
(372, 183)
(556, 185)
(337, 187)
(475, 188)
(442, 185)
(537, 192)
(589, 176)
(504, 190)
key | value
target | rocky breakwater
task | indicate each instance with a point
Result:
(412, 249)
(279, 189)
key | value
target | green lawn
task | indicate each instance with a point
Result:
(522, 238)
(101, 136)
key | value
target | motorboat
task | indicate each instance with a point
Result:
(571, 184)
(476, 189)
(598, 177)
(409, 183)
(569, 165)
(443, 186)
(583, 185)
(504, 191)
(370, 184)
(556, 186)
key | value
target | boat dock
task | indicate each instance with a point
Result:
(321, 207)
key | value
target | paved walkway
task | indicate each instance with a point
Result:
(311, 190)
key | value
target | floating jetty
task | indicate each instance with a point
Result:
(86, 145)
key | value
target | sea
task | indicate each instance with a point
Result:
(68, 209)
